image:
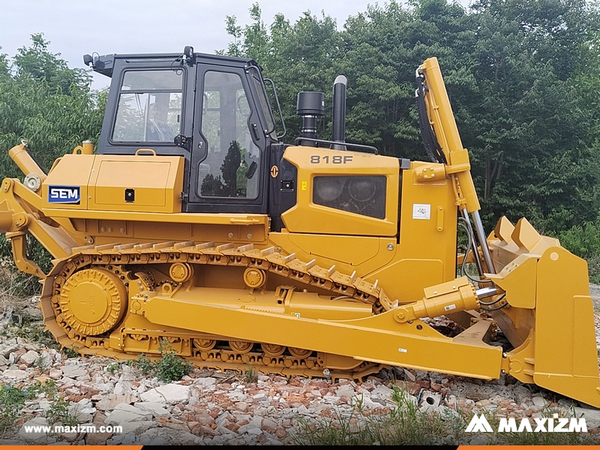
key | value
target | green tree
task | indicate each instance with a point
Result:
(384, 46)
(298, 57)
(45, 102)
(522, 76)
(40, 64)
(531, 125)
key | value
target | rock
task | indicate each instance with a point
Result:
(430, 401)
(83, 410)
(162, 436)
(539, 402)
(8, 347)
(46, 360)
(592, 416)
(408, 386)
(126, 438)
(521, 393)
(169, 393)
(71, 436)
(110, 401)
(125, 383)
(253, 427)
(206, 420)
(186, 438)
(156, 409)
(208, 382)
(30, 357)
(137, 427)
(150, 437)
(16, 374)
(480, 439)
(269, 425)
(84, 378)
(158, 440)
(34, 436)
(44, 405)
(73, 371)
(97, 438)
(104, 387)
(124, 413)
(382, 393)
(177, 426)
(55, 374)
(345, 390)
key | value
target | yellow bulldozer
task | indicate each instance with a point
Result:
(191, 222)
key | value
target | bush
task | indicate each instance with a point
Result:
(584, 241)
(12, 400)
(170, 367)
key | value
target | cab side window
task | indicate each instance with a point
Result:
(150, 105)
(232, 163)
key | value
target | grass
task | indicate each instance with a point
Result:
(58, 413)
(112, 368)
(41, 364)
(71, 352)
(251, 375)
(13, 399)
(407, 424)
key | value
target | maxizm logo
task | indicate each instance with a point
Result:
(64, 194)
(552, 424)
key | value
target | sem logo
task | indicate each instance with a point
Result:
(64, 194)
(552, 424)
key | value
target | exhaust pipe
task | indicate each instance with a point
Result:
(339, 112)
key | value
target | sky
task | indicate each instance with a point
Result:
(77, 27)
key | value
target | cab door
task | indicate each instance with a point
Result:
(227, 170)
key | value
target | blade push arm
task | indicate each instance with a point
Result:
(445, 131)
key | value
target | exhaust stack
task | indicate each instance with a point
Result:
(339, 112)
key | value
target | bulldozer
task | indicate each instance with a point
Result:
(190, 222)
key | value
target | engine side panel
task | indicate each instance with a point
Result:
(115, 183)
(336, 187)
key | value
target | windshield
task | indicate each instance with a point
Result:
(150, 105)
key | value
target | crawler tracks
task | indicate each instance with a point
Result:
(114, 267)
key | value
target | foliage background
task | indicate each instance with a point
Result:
(523, 78)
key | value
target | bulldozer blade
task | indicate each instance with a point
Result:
(553, 330)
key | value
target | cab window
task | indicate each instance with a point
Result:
(149, 107)
(232, 163)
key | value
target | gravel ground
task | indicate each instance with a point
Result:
(595, 293)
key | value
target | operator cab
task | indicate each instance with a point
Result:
(212, 110)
